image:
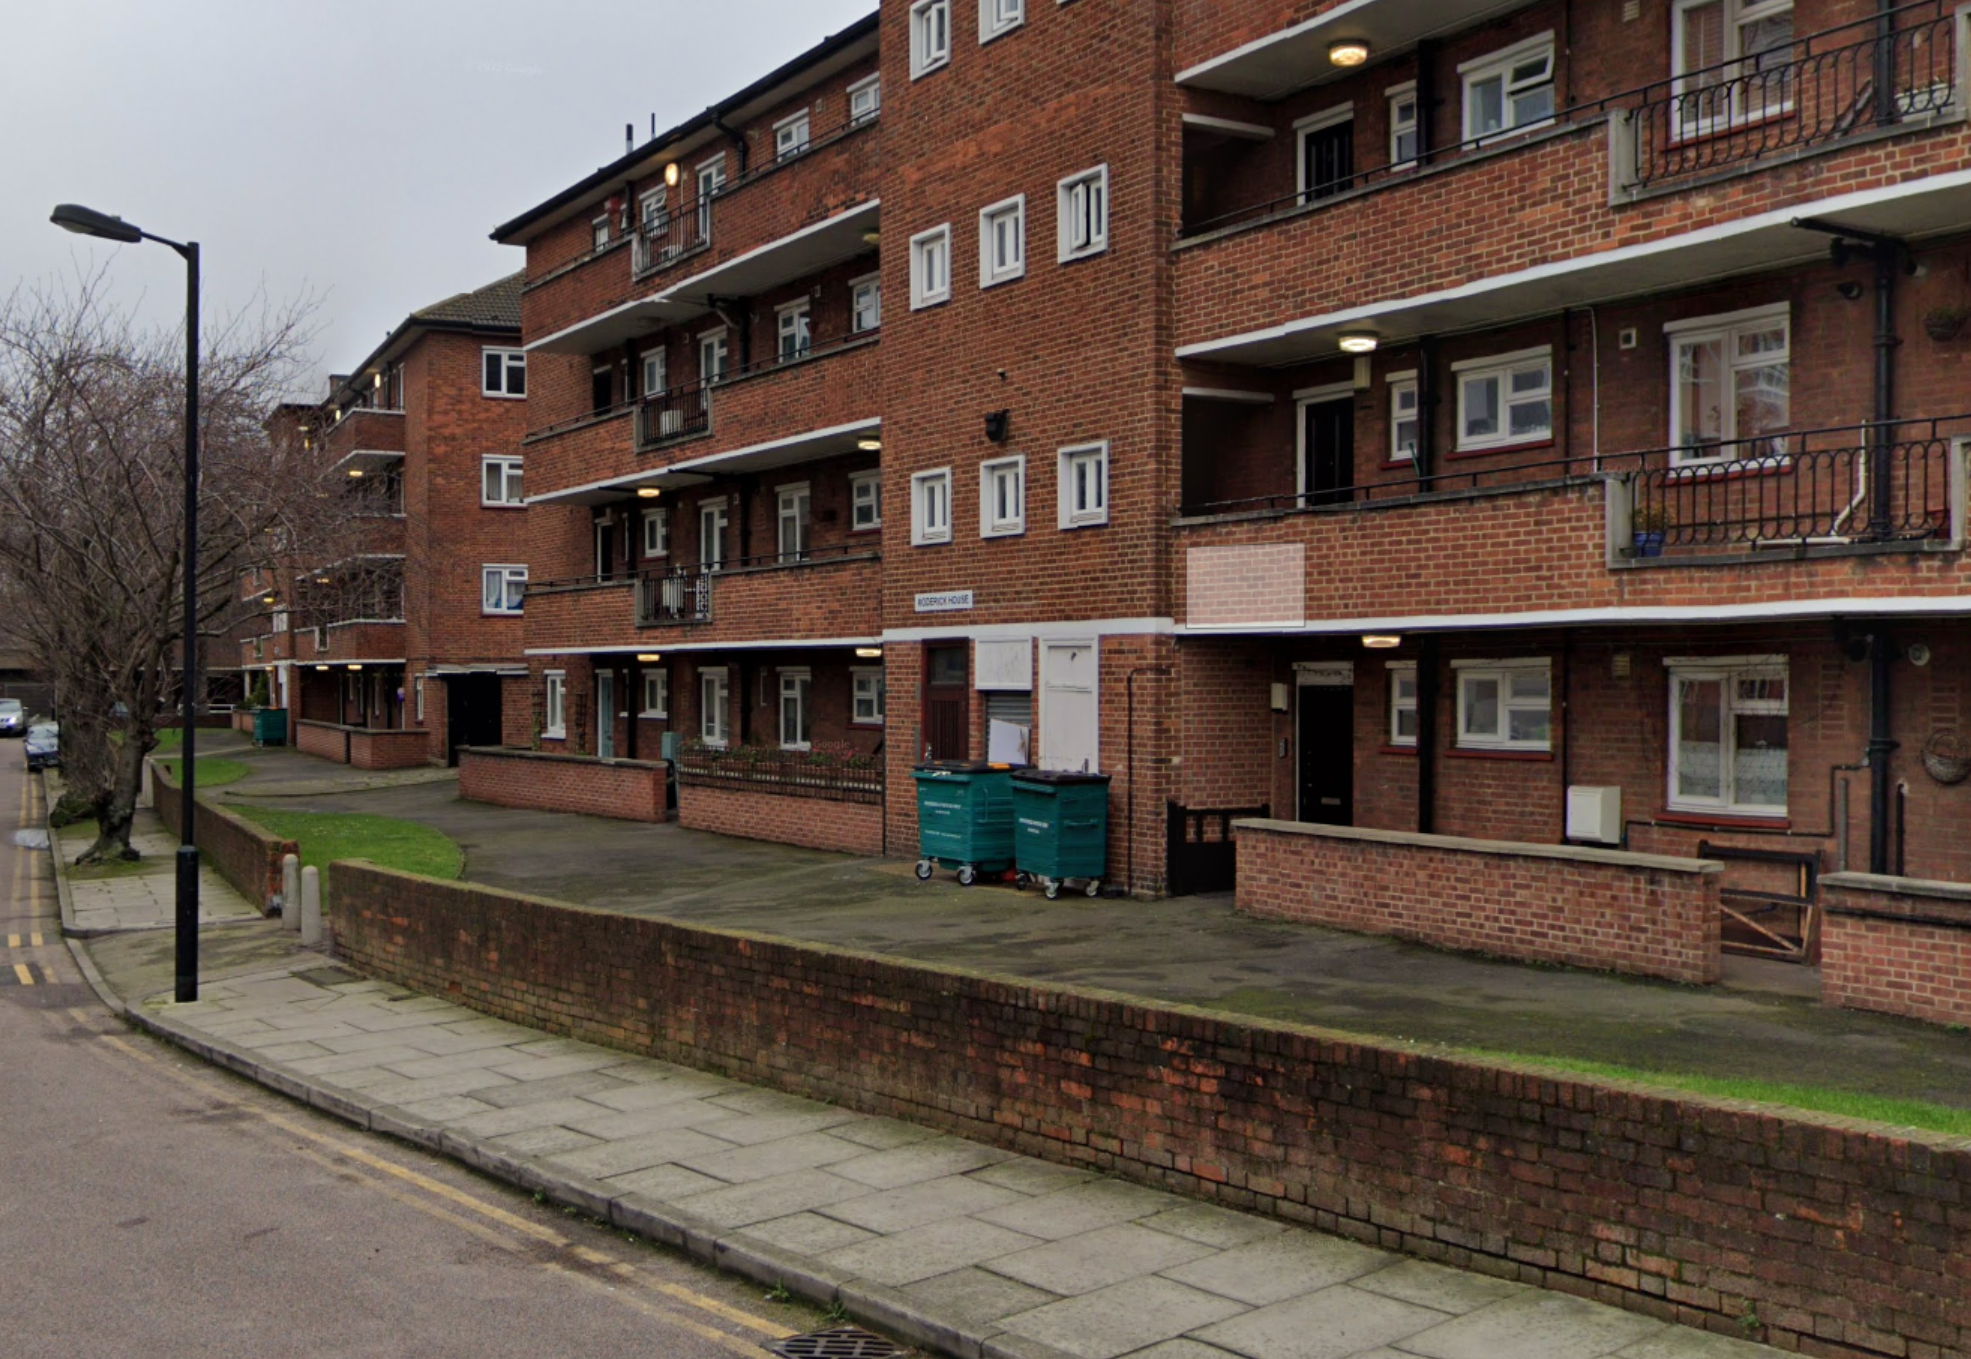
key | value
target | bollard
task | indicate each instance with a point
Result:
(291, 891)
(311, 906)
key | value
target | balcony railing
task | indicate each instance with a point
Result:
(835, 776)
(684, 412)
(1462, 478)
(684, 594)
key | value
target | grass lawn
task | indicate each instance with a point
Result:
(213, 773)
(325, 837)
(170, 739)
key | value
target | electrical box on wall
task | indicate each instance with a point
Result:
(1594, 814)
(1280, 704)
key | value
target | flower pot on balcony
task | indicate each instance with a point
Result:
(1649, 544)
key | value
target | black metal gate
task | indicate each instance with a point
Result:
(1201, 854)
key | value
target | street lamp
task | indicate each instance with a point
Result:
(88, 222)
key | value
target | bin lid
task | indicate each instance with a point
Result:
(958, 767)
(1057, 777)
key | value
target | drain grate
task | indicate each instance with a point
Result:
(843, 1342)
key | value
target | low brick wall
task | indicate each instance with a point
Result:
(629, 790)
(373, 749)
(1646, 914)
(811, 822)
(324, 740)
(1692, 1210)
(1900, 945)
(246, 856)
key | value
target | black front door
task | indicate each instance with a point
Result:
(1328, 451)
(472, 713)
(1327, 754)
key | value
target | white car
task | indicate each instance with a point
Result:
(13, 718)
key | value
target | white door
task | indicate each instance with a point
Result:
(605, 714)
(1070, 711)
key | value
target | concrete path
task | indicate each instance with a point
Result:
(139, 896)
(946, 1242)
(283, 772)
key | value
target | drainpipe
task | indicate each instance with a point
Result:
(1426, 99)
(1880, 747)
(1427, 660)
(1888, 256)
(738, 139)
(1426, 408)
(1885, 61)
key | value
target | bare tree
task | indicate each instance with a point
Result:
(91, 485)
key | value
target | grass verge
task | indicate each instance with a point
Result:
(325, 837)
(213, 773)
(79, 835)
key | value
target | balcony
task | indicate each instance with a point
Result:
(828, 384)
(364, 429)
(581, 613)
(1271, 61)
(368, 641)
(826, 594)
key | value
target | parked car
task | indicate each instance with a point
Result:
(44, 746)
(13, 717)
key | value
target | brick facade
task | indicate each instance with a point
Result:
(246, 856)
(811, 822)
(1898, 945)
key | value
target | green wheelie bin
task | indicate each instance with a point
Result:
(1061, 829)
(964, 818)
(270, 726)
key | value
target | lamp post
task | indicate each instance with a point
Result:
(88, 222)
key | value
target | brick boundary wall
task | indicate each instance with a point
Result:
(246, 856)
(394, 749)
(1646, 914)
(1694, 1210)
(810, 822)
(628, 790)
(323, 740)
(1900, 945)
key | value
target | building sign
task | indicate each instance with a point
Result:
(945, 601)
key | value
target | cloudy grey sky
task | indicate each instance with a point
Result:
(360, 150)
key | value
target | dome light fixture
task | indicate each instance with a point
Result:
(649, 658)
(1349, 52)
(870, 445)
(1381, 641)
(648, 492)
(671, 174)
(356, 472)
(869, 653)
(1358, 341)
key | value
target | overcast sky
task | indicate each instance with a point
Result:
(359, 150)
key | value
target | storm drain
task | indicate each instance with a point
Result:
(843, 1342)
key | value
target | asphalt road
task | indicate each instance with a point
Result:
(153, 1206)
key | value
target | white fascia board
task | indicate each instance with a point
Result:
(1769, 611)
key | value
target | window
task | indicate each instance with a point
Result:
(930, 267)
(930, 507)
(1084, 213)
(1003, 242)
(930, 36)
(1405, 143)
(865, 100)
(1403, 703)
(504, 372)
(656, 693)
(1730, 379)
(1327, 152)
(711, 533)
(1729, 57)
(555, 719)
(792, 322)
(867, 694)
(713, 355)
(712, 706)
(1505, 399)
(656, 372)
(1000, 17)
(502, 588)
(1403, 424)
(656, 533)
(600, 228)
(794, 687)
(1509, 90)
(711, 178)
(1728, 735)
(1505, 705)
(865, 501)
(417, 698)
(651, 210)
(602, 387)
(1084, 486)
(1003, 497)
(865, 303)
(499, 481)
(793, 519)
(790, 136)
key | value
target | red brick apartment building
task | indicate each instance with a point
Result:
(1410, 426)
(407, 645)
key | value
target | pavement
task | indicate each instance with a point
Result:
(139, 896)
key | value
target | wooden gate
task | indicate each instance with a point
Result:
(1771, 902)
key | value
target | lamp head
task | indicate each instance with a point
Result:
(88, 222)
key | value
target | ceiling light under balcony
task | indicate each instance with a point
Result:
(267, 599)
(869, 653)
(1348, 52)
(357, 666)
(872, 238)
(649, 658)
(321, 667)
(870, 445)
(671, 174)
(356, 472)
(648, 492)
(1358, 341)
(1381, 641)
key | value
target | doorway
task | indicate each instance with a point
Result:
(1325, 740)
(947, 703)
(605, 714)
(1327, 451)
(1070, 709)
(1327, 158)
(472, 713)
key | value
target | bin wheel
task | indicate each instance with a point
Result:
(1053, 889)
(1023, 881)
(923, 870)
(967, 875)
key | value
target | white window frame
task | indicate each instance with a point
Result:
(417, 698)
(714, 342)
(1502, 368)
(508, 575)
(1404, 386)
(866, 304)
(997, 18)
(656, 694)
(1072, 205)
(657, 532)
(656, 370)
(512, 361)
(865, 493)
(1755, 105)
(554, 724)
(794, 503)
(1012, 213)
(1499, 64)
(511, 472)
(868, 696)
(930, 267)
(1726, 329)
(713, 508)
(930, 491)
(1727, 671)
(796, 317)
(930, 37)
(714, 705)
(1400, 94)
(710, 178)
(865, 100)
(792, 135)
(991, 475)
(599, 233)
(1399, 673)
(1073, 515)
(1307, 127)
(1502, 671)
(796, 683)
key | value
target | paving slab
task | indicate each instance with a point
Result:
(1083, 1208)
(798, 1191)
(1094, 1260)
(1279, 1267)
(1333, 1323)
(1535, 1325)
(1456, 1291)
(923, 1252)
(897, 1210)
(1122, 1318)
